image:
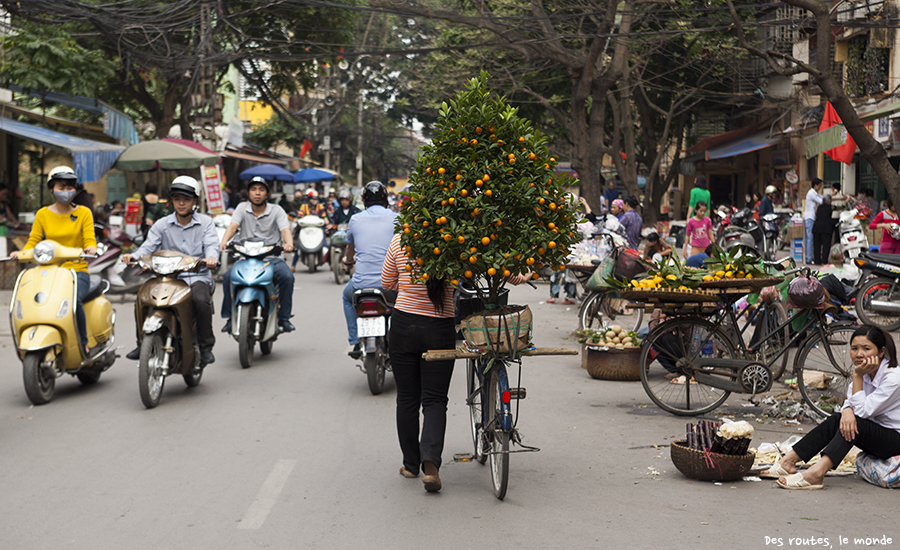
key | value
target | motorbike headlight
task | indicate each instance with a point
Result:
(44, 252)
(254, 248)
(165, 265)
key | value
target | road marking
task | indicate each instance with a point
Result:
(259, 510)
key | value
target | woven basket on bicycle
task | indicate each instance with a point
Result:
(752, 284)
(504, 331)
(706, 466)
(667, 295)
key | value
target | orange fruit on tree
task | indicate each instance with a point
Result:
(473, 250)
(534, 275)
(492, 271)
(406, 230)
(425, 276)
(441, 170)
(468, 274)
(529, 261)
(458, 176)
(552, 206)
(485, 240)
(541, 250)
(454, 282)
(541, 200)
(521, 139)
(460, 239)
(447, 237)
(551, 225)
(425, 223)
(489, 192)
(486, 177)
(551, 244)
(506, 273)
(478, 129)
(474, 142)
(498, 223)
(479, 183)
(531, 156)
(472, 259)
(463, 192)
(451, 200)
(408, 267)
(437, 250)
(420, 261)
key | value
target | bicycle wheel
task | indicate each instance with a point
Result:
(764, 321)
(879, 289)
(474, 397)
(597, 305)
(822, 380)
(667, 357)
(497, 436)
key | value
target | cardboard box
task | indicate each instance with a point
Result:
(874, 236)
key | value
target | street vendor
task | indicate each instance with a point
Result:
(655, 246)
(869, 417)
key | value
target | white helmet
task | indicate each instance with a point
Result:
(185, 185)
(62, 173)
(771, 189)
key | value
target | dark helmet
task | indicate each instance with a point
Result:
(374, 193)
(185, 185)
(62, 173)
(261, 181)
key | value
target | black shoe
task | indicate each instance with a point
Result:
(134, 354)
(207, 358)
(285, 325)
(356, 352)
(227, 327)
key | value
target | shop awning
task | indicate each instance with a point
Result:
(92, 159)
(252, 158)
(836, 135)
(747, 144)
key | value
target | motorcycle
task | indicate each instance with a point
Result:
(311, 239)
(122, 278)
(255, 299)
(44, 325)
(338, 251)
(853, 242)
(878, 297)
(757, 239)
(222, 221)
(373, 308)
(165, 316)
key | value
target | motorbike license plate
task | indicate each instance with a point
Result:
(370, 326)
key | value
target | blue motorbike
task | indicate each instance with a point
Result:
(255, 298)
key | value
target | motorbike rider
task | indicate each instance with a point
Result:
(192, 234)
(346, 209)
(257, 218)
(368, 237)
(309, 208)
(767, 204)
(69, 225)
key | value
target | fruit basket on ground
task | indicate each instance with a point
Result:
(714, 451)
(486, 207)
(610, 353)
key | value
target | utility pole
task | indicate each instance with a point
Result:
(359, 142)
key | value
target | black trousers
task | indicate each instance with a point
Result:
(421, 384)
(873, 438)
(201, 299)
(822, 248)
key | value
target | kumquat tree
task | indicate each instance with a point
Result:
(485, 201)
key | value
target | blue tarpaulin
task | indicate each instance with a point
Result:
(116, 124)
(92, 159)
(752, 142)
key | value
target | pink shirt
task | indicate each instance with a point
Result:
(699, 231)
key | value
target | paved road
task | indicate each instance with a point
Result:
(295, 453)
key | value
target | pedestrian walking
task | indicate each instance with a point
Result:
(813, 200)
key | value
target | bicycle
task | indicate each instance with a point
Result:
(713, 365)
(606, 302)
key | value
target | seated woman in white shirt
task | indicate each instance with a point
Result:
(869, 418)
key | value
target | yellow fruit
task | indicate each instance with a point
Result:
(749, 276)
(729, 275)
(671, 277)
(634, 283)
(708, 278)
(720, 274)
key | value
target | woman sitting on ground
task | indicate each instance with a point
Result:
(869, 418)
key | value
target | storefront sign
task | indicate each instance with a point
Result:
(212, 182)
(132, 216)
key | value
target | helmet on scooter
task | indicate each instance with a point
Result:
(185, 185)
(374, 193)
(62, 173)
(258, 180)
(312, 194)
(771, 189)
(345, 194)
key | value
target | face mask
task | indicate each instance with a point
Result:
(64, 197)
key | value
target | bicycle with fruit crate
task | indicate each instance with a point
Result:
(691, 363)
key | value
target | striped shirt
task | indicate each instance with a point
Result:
(412, 297)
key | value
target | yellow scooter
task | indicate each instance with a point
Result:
(45, 330)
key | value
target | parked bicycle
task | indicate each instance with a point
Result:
(602, 302)
(690, 364)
